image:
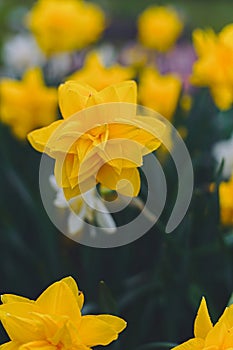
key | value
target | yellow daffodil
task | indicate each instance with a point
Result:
(225, 202)
(159, 27)
(207, 336)
(65, 25)
(102, 145)
(54, 321)
(160, 92)
(95, 74)
(27, 104)
(214, 67)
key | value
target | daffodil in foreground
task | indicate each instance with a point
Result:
(54, 321)
(159, 27)
(214, 66)
(160, 92)
(207, 336)
(65, 25)
(104, 144)
(28, 103)
(95, 74)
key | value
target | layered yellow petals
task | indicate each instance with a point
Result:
(159, 27)
(65, 25)
(27, 104)
(95, 74)
(159, 92)
(74, 96)
(101, 139)
(207, 336)
(214, 67)
(54, 321)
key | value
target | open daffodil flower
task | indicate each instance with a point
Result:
(103, 144)
(54, 321)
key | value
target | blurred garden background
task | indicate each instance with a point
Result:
(156, 282)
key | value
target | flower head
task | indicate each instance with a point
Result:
(225, 202)
(104, 144)
(214, 67)
(159, 27)
(223, 150)
(207, 336)
(54, 321)
(22, 52)
(95, 74)
(160, 92)
(27, 104)
(65, 25)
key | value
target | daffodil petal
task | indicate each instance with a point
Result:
(73, 97)
(94, 331)
(37, 345)
(202, 324)
(51, 301)
(192, 344)
(39, 138)
(75, 224)
(126, 183)
(117, 323)
(11, 345)
(11, 298)
(75, 290)
(22, 329)
(122, 153)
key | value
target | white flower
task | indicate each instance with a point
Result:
(21, 52)
(223, 150)
(59, 66)
(87, 206)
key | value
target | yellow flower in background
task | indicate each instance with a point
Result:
(226, 202)
(159, 27)
(98, 145)
(27, 104)
(159, 92)
(54, 321)
(207, 336)
(214, 67)
(95, 74)
(65, 25)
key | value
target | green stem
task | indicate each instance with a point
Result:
(157, 345)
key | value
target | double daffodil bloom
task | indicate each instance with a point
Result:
(54, 321)
(214, 67)
(159, 27)
(207, 336)
(28, 103)
(65, 25)
(95, 74)
(160, 92)
(104, 144)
